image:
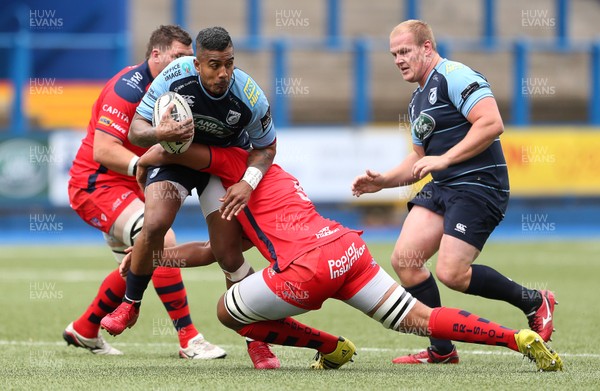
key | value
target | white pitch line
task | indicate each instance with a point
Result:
(366, 349)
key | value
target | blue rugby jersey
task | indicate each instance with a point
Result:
(240, 117)
(438, 120)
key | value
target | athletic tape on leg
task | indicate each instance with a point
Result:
(395, 308)
(239, 274)
(236, 307)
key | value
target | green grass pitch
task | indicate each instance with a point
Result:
(45, 288)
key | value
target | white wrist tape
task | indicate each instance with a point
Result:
(252, 176)
(239, 274)
(132, 166)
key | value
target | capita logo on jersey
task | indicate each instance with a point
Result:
(212, 126)
(423, 126)
(116, 112)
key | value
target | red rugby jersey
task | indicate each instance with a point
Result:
(280, 219)
(112, 113)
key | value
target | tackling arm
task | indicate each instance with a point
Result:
(238, 195)
(192, 254)
(110, 152)
(197, 157)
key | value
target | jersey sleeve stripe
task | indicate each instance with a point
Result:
(453, 127)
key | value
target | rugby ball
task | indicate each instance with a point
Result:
(181, 111)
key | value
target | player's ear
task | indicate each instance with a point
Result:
(428, 46)
(155, 55)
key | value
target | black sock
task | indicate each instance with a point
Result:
(136, 285)
(428, 293)
(487, 282)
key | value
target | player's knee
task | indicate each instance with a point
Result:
(451, 277)
(407, 260)
(170, 238)
(228, 253)
(396, 261)
(226, 241)
(133, 227)
(155, 229)
(409, 276)
(231, 263)
(225, 317)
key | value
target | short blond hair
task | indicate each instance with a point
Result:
(419, 29)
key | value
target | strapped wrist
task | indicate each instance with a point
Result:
(132, 167)
(252, 176)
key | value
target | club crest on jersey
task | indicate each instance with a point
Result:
(433, 95)
(423, 127)
(154, 172)
(233, 117)
(95, 222)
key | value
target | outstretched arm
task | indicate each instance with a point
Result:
(197, 157)
(401, 175)
(192, 254)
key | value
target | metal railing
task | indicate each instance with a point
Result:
(24, 41)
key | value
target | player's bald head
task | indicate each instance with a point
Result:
(420, 31)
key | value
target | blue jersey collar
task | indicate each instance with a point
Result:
(435, 69)
(224, 94)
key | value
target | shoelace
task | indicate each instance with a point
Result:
(200, 342)
(123, 311)
(262, 350)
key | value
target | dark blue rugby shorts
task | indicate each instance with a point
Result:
(468, 214)
(185, 176)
